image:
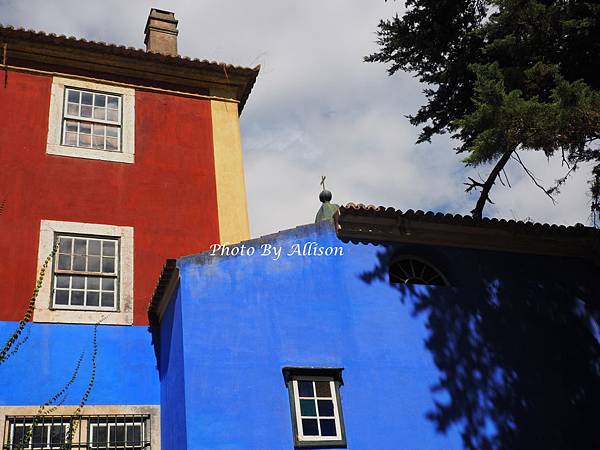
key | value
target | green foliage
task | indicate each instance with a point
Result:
(504, 76)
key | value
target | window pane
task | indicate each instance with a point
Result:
(112, 131)
(108, 284)
(99, 113)
(85, 140)
(61, 297)
(108, 265)
(77, 298)
(73, 96)
(71, 125)
(39, 436)
(328, 427)
(98, 142)
(98, 129)
(64, 262)
(93, 247)
(93, 283)
(310, 427)
(73, 109)
(85, 128)
(134, 434)
(113, 102)
(323, 388)
(100, 100)
(117, 434)
(93, 264)
(305, 388)
(99, 435)
(108, 248)
(108, 299)
(87, 98)
(112, 144)
(70, 138)
(307, 408)
(78, 283)
(112, 115)
(93, 299)
(65, 244)
(86, 111)
(79, 263)
(80, 246)
(57, 434)
(62, 281)
(18, 434)
(325, 408)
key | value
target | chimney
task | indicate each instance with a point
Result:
(161, 32)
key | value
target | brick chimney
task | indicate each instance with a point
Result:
(161, 32)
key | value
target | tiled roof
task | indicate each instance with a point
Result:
(372, 224)
(132, 52)
(457, 219)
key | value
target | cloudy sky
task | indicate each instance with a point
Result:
(317, 108)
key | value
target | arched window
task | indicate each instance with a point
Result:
(411, 270)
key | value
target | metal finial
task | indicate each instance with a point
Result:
(325, 195)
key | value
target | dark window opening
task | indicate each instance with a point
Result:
(415, 271)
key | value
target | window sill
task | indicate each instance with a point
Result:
(81, 316)
(86, 153)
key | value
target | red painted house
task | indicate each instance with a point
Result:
(125, 156)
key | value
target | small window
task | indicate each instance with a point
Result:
(415, 271)
(92, 120)
(86, 273)
(316, 408)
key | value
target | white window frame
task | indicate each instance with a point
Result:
(56, 116)
(29, 444)
(336, 413)
(102, 275)
(44, 309)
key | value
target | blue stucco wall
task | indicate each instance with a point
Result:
(247, 317)
(126, 365)
(244, 318)
(172, 380)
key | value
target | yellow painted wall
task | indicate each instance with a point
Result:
(229, 172)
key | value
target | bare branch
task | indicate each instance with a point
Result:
(533, 178)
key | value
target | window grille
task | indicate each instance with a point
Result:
(415, 271)
(98, 432)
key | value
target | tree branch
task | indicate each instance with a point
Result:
(486, 186)
(517, 158)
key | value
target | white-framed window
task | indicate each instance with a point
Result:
(118, 433)
(44, 435)
(316, 407)
(91, 120)
(92, 273)
(86, 273)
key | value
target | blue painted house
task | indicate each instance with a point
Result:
(383, 330)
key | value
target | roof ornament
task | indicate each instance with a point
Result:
(327, 209)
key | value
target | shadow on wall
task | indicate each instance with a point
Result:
(516, 340)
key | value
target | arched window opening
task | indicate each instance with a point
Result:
(415, 271)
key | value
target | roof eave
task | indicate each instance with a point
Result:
(117, 63)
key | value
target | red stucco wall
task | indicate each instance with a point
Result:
(168, 195)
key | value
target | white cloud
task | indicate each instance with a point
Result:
(316, 109)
